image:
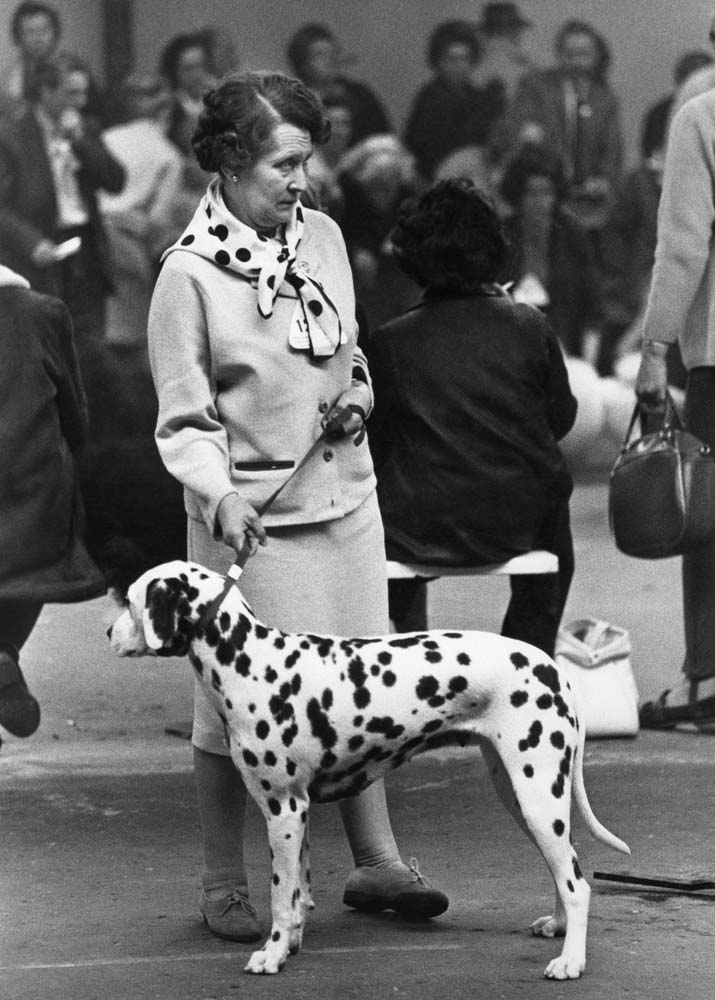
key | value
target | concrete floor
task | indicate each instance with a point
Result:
(99, 848)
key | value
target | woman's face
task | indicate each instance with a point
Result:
(192, 76)
(266, 192)
(36, 35)
(455, 64)
(578, 54)
(321, 63)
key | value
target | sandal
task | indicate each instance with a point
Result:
(658, 715)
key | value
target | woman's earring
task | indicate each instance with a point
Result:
(234, 178)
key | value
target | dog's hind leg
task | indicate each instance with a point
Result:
(545, 818)
(286, 820)
(306, 897)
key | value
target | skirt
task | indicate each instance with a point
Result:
(328, 578)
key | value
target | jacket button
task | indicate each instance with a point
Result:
(323, 408)
(327, 455)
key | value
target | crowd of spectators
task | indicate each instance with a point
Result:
(94, 186)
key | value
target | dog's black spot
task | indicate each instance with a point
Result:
(328, 759)
(548, 676)
(269, 758)
(250, 758)
(463, 660)
(262, 729)
(279, 642)
(432, 726)
(260, 630)
(295, 684)
(557, 739)
(386, 725)
(430, 644)
(374, 670)
(241, 631)
(229, 704)
(320, 724)
(384, 658)
(557, 789)
(242, 665)
(409, 640)
(559, 827)
(432, 656)
(295, 897)
(528, 771)
(388, 678)
(292, 658)
(290, 768)
(304, 817)
(532, 740)
(544, 701)
(276, 936)
(270, 675)
(356, 672)
(224, 621)
(274, 806)
(276, 879)
(436, 701)
(361, 698)
(215, 680)
(427, 687)
(577, 868)
(292, 804)
(304, 644)
(324, 647)
(355, 742)
(289, 734)
(519, 698)
(281, 709)
(327, 699)
(453, 635)
(358, 721)
(458, 684)
(519, 660)
(570, 887)
(225, 652)
(265, 785)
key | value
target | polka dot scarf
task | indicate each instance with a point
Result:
(216, 234)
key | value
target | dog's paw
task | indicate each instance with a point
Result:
(565, 967)
(295, 941)
(548, 927)
(261, 963)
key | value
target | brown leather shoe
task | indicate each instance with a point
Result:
(19, 710)
(231, 917)
(404, 890)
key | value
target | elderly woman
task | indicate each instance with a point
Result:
(252, 339)
(471, 398)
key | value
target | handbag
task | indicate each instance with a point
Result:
(661, 498)
(595, 656)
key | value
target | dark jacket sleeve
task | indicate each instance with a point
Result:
(383, 387)
(561, 404)
(101, 169)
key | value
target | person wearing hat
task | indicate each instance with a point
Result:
(504, 61)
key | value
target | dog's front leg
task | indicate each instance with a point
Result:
(286, 822)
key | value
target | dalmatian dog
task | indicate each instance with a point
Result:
(314, 718)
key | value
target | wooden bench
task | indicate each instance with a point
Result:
(537, 561)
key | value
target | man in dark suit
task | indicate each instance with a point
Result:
(52, 162)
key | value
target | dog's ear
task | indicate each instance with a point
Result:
(159, 613)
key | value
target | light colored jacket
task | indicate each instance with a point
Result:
(681, 303)
(238, 407)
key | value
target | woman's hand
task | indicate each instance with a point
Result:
(652, 379)
(241, 527)
(348, 413)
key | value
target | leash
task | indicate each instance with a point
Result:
(679, 885)
(235, 570)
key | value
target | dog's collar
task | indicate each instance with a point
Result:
(212, 608)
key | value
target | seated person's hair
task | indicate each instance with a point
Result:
(240, 113)
(532, 161)
(451, 240)
(452, 33)
(299, 45)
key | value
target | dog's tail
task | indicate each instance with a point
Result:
(595, 827)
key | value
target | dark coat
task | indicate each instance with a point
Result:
(443, 119)
(471, 397)
(43, 425)
(28, 206)
(574, 283)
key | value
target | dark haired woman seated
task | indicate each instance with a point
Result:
(471, 398)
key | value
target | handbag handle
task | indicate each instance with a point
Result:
(671, 420)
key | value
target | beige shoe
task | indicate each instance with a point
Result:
(231, 916)
(403, 889)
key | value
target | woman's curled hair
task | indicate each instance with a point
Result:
(240, 113)
(451, 240)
